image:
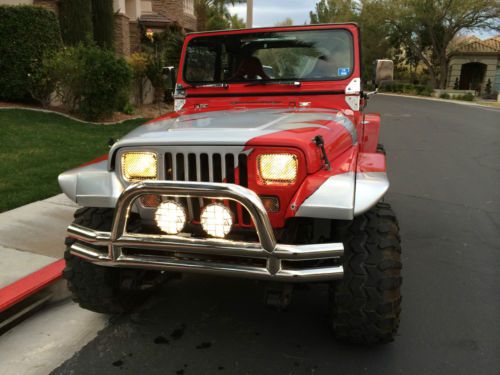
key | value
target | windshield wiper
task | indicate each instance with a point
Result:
(265, 82)
(223, 85)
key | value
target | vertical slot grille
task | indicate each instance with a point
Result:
(243, 177)
(217, 172)
(206, 167)
(195, 212)
(169, 165)
(230, 179)
(180, 174)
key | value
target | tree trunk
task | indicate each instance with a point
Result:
(430, 67)
(159, 94)
(443, 67)
(433, 78)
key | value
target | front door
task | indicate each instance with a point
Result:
(471, 76)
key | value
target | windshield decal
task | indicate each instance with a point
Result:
(342, 72)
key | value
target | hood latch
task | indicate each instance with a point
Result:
(320, 142)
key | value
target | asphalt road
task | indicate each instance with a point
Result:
(444, 165)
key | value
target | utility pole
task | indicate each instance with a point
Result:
(249, 13)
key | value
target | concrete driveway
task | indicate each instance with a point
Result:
(444, 165)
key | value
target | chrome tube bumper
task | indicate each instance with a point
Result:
(268, 259)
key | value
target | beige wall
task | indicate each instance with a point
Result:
(119, 6)
(146, 6)
(133, 9)
(456, 62)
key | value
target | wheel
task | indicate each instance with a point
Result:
(365, 305)
(105, 289)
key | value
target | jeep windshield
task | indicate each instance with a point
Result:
(269, 57)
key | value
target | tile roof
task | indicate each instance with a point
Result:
(493, 42)
(475, 45)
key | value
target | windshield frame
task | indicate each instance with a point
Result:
(311, 28)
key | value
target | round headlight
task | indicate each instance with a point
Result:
(217, 220)
(170, 217)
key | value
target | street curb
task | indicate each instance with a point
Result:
(440, 100)
(30, 284)
(71, 117)
(19, 280)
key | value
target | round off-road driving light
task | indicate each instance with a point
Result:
(216, 220)
(170, 217)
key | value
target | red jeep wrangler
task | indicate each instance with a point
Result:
(267, 169)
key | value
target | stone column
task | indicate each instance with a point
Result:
(122, 35)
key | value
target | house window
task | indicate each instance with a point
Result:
(189, 7)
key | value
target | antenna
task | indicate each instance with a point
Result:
(249, 14)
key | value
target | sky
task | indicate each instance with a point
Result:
(269, 12)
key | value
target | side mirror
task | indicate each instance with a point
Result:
(171, 75)
(384, 71)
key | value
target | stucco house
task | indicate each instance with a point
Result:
(129, 14)
(473, 62)
(154, 14)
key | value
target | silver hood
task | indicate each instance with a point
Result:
(228, 127)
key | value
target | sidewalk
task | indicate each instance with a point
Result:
(31, 237)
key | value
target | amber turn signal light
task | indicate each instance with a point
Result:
(271, 204)
(151, 200)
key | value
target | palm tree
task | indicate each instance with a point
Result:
(214, 14)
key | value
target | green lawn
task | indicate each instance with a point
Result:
(35, 147)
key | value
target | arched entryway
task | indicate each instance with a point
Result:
(471, 76)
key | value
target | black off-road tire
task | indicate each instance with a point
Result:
(365, 305)
(97, 288)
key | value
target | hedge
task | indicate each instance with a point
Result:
(90, 80)
(407, 88)
(26, 34)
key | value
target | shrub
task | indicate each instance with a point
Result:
(398, 87)
(409, 88)
(406, 88)
(467, 97)
(91, 81)
(383, 88)
(139, 62)
(26, 33)
(42, 82)
(444, 95)
(164, 49)
(128, 109)
(368, 86)
(427, 91)
(489, 92)
(487, 89)
(75, 17)
(419, 89)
